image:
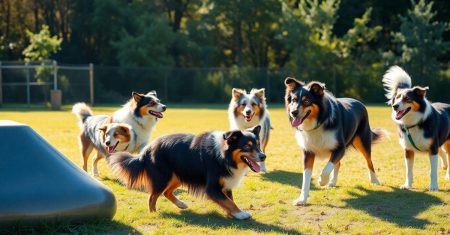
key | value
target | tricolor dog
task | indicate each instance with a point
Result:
(324, 127)
(422, 126)
(211, 164)
(132, 124)
(247, 110)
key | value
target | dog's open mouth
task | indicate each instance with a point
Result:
(156, 114)
(112, 148)
(252, 164)
(248, 118)
(298, 121)
(402, 113)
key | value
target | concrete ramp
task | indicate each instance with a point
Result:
(39, 184)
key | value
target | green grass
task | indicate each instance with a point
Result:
(354, 206)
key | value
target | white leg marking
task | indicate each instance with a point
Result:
(433, 173)
(305, 188)
(325, 175)
(373, 178)
(334, 176)
(181, 204)
(409, 173)
(241, 215)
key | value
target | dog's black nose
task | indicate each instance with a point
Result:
(395, 106)
(248, 112)
(294, 113)
(262, 156)
(164, 108)
(108, 143)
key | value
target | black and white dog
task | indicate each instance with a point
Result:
(211, 163)
(423, 126)
(324, 127)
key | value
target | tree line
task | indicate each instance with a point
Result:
(347, 43)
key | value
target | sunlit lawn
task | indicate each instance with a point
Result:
(355, 206)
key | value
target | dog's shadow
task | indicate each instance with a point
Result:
(214, 220)
(400, 207)
(286, 177)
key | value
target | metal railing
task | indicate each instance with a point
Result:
(28, 67)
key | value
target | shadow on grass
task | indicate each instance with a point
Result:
(285, 177)
(215, 220)
(104, 226)
(398, 206)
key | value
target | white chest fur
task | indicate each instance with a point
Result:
(418, 138)
(235, 179)
(318, 141)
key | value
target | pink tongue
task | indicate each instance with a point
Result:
(399, 114)
(296, 122)
(110, 149)
(255, 165)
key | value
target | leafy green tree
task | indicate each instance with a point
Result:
(42, 46)
(420, 42)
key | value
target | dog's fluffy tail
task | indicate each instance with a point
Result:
(82, 111)
(378, 134)
(132, 171)
(395, 78)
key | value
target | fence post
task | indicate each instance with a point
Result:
(91, 82)
(28, 82)
(55, 75)
(1, 84)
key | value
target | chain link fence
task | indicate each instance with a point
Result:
(109, 84)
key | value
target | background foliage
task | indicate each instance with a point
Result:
(346, 43)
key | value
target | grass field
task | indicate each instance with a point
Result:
(354, 206)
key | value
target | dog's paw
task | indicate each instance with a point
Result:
(181, 205)
(375, 181)
(242, 215)
(331, 184)
(301, 201)
(405, 186)
(323, 179)
(434, 187)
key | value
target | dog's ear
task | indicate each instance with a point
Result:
(420, 91)
(123, 129)
(153, 92)
(260, 93)
(237, 93)
(255, 130)
(317, 88)
(103, 128)
(292, 83)
(232, 136)
(137, 96)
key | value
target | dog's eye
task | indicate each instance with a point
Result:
(406, 99)
(151, 103)
(253, 104)
(243, 104)
(307, 102)
(294, 99)
(247, 147)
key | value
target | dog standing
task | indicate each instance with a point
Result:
(211, 163)
(325, 126)
(247, 110)
(423, 126)
(141, 113)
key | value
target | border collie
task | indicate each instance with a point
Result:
(422, 126)
(324, 127)
(211, 163)
(247, 110)
(141, 112)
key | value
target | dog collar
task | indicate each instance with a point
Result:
(408, 134)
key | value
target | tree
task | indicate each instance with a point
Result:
(420, 42)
